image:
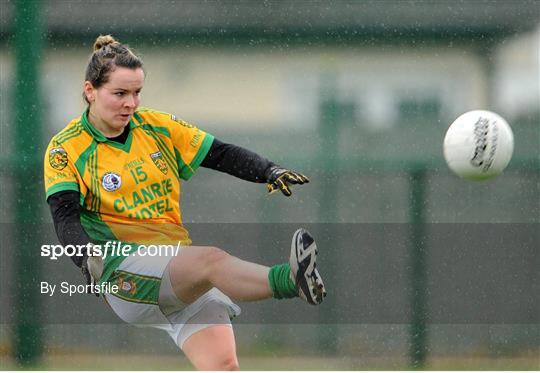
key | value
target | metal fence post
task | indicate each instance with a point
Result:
(418, 331)
(329, 122)
(26, 165)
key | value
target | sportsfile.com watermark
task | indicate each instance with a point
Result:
(110, 249)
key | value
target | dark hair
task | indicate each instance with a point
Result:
(108, 53)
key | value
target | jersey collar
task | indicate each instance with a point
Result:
(98, 136)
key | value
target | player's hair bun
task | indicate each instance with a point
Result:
(102, 41)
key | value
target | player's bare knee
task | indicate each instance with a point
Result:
(228, 363)
(214, 259)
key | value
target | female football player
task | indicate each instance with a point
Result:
(113, 175)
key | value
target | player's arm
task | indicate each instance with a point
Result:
(66, 214)
(65, 211)
(247, 165)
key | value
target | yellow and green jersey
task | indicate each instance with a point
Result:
(128, 192)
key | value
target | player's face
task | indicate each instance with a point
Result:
(113, 104)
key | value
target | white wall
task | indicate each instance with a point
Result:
(518, 74)
(254, 88)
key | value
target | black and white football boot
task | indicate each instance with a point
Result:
(303, 262)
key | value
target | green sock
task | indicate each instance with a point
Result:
(280, 282)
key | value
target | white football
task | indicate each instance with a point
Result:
(478, 145)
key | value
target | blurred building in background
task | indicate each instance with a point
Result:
(358, 94)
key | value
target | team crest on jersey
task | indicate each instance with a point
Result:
(160, 163)
(58, 158)
(126, 286)
(111, 181)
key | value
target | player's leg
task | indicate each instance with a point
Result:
(212, 348)
(202, 329)
(206, 337)
(197, 269)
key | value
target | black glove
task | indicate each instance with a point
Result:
(279, 178)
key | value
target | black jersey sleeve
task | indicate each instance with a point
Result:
(237, 161)
(66, 216)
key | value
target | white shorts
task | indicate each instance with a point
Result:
(146, 298)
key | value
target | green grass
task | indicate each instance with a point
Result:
(80, 361)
